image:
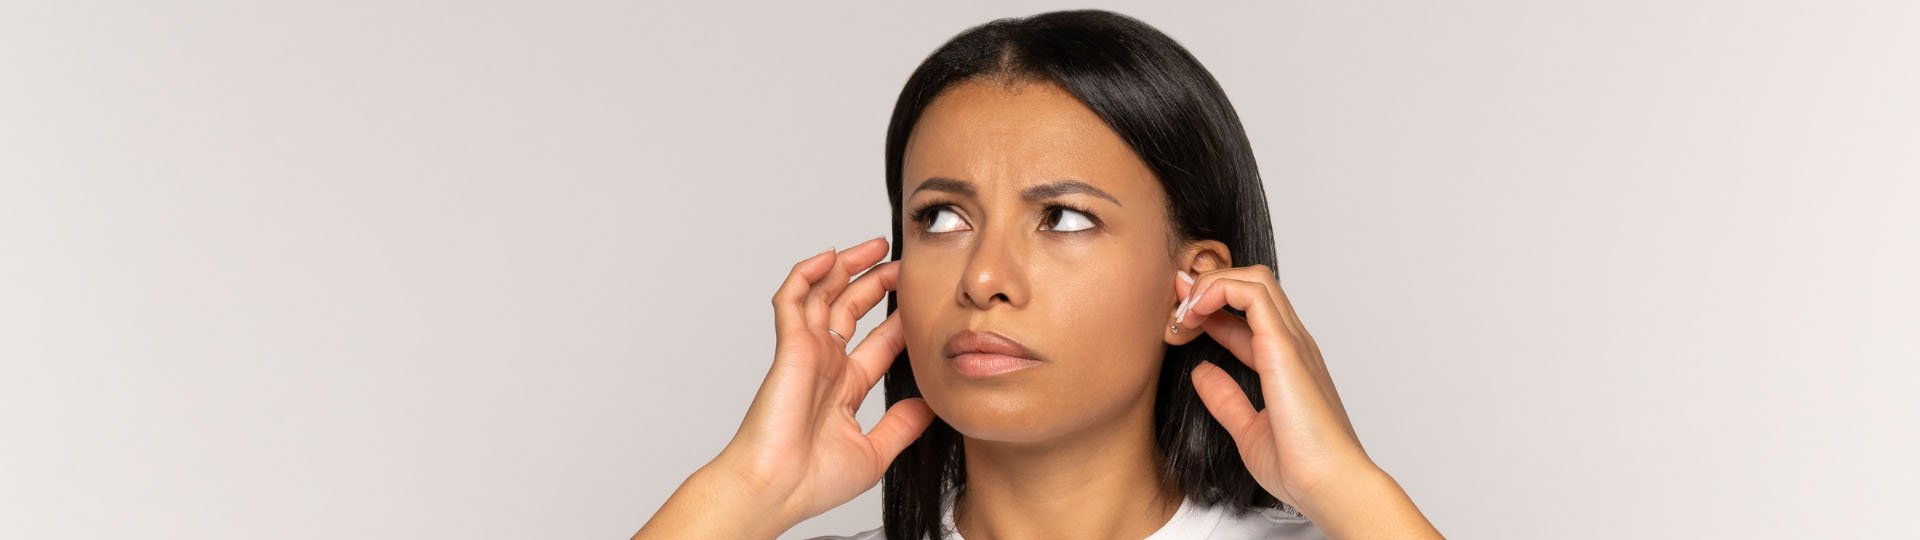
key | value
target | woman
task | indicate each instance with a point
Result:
(1085, 339)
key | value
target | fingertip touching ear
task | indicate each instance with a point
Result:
(1199, 257)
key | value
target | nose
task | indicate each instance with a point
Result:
(996, 270)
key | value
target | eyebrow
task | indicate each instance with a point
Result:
(1032, 194)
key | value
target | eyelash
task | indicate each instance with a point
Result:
(921, 214)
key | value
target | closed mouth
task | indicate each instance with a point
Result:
(984, 354)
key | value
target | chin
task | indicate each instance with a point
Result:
(1017, 415)
(1002, 426)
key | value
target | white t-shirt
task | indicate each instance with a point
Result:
(1191, 522)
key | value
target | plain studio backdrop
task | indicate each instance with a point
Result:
(490, 270)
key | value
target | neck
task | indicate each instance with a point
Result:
(1102, 481)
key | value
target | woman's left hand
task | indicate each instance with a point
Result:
(1301, 447)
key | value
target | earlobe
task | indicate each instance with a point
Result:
(1176, 336)
(1172, 335)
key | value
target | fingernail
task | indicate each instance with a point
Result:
(1187, 306)
(1177, 310)
(1203, 292)
(1204, 366)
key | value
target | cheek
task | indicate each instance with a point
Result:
(1106, 303)
(1112, 326)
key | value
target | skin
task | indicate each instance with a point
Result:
(1063, 448)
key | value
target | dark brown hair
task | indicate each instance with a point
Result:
(1174, 115)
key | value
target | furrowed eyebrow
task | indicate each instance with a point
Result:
(949, 185)
(1055, 189)
(1032, 194)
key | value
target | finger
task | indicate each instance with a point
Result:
(815, 305)
(847, 262)
(1310, 355)
(827, 367)
(789, 377)
(875, 355)
(866, 291)
(1203, 287)
(1271, 279)
(1310, 352)
(898, 428)
(1226, 328)
(1269, 335)
(1237, 336)
(1233, 333)
(789, 318)
(1199, 287)
(1229, 331)
(1274, 351)
(1224, 398)
(1257, 273)
(1267, 277)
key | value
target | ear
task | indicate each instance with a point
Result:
(1205, 256)
(1197, 257)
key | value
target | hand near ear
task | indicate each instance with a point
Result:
(1301, 447)
(800, 451)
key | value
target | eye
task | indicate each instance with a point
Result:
(1068, 219)
(944, 219)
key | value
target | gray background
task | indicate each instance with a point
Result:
(490, 270)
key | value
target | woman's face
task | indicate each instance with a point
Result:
(1038, 223)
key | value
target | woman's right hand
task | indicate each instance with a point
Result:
(800, 448)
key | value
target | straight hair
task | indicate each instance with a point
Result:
(1175, 117)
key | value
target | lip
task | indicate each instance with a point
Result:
(985, 354)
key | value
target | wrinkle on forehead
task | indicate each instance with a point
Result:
(1005, 138)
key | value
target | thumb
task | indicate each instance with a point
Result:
(902, 424)
(1224, 399)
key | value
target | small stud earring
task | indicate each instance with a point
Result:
(1175, 327)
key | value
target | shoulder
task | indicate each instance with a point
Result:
(871, 534)
(1251, 523)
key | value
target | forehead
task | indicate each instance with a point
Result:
(1002, 138)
